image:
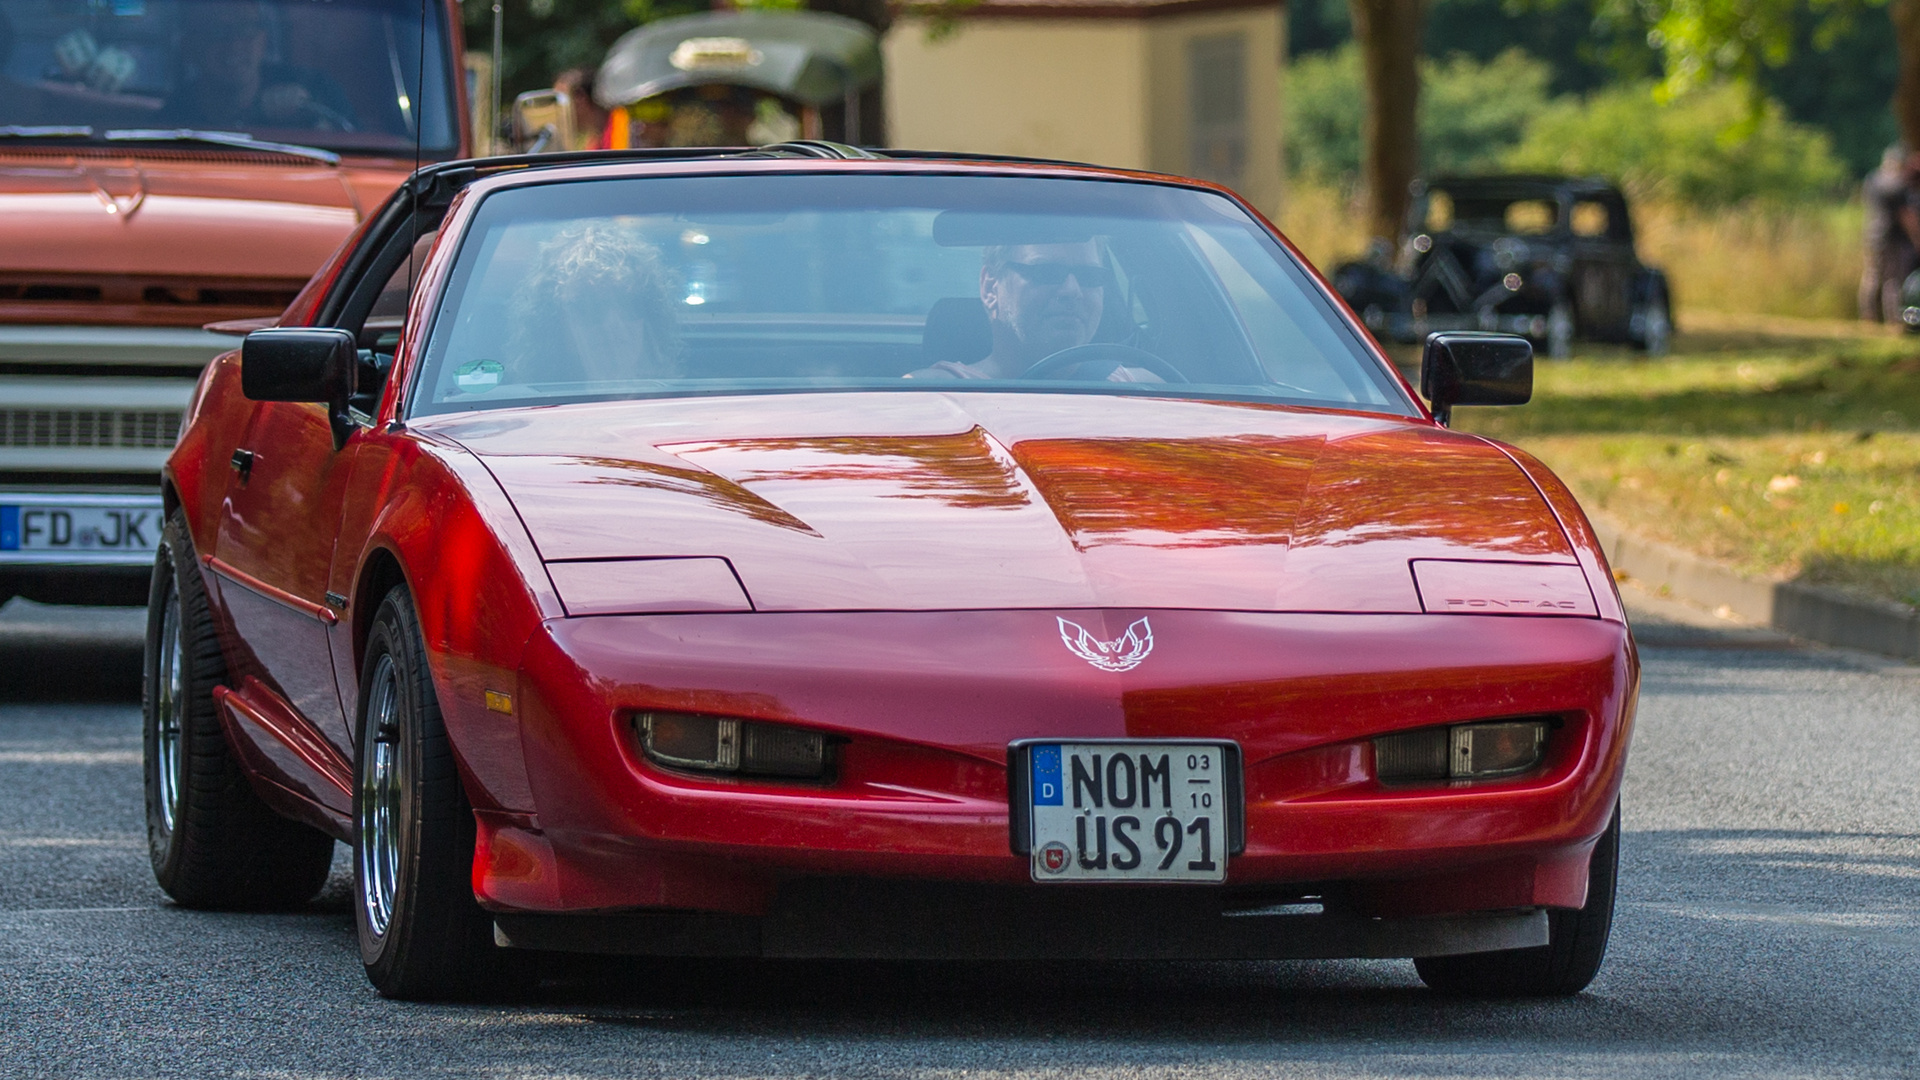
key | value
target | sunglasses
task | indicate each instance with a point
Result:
(1055, 273)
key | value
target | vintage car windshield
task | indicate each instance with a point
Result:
(342, 75)
(625, 288)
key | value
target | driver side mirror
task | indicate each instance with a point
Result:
(542, 122)
(1475, 369)
(306, 364)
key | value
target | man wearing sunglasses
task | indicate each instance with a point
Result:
(1040, 299)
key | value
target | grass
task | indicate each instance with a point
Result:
(1789, 456)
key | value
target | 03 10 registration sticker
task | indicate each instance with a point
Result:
(1127, 810)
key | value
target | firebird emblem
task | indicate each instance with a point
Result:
(1123, 654)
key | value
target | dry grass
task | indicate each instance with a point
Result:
(1801, 261)
(1323, 222)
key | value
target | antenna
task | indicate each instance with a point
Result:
(413, 182)
(499, 61)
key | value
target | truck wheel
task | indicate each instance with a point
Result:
(422, 935)
(1576, 944)
(214, 844)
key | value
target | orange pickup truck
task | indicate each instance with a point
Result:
(166, 165)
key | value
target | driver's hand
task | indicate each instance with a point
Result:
(1133, 374)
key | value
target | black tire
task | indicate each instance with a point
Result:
(1576, 944)
(214, 844)
(1653, 323)
(422, 935)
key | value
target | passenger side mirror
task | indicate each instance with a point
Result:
(1475, 369)
(542, 122)
(312, 364)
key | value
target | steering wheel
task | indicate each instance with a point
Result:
(1052, 366)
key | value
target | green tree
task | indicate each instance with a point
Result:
(1701, 40)
(1708, 148)
(1471, 113)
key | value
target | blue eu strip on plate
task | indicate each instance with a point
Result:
(1046, 776)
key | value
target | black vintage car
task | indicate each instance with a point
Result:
(1550, 257)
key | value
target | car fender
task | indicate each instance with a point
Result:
(446, 529)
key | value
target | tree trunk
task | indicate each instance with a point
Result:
(1389, 35)
(1906, 94)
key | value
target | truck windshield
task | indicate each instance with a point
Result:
(343, 75)
(666, 286)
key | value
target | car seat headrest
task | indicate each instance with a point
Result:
(957, 331)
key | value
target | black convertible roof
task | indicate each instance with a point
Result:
(436, 184)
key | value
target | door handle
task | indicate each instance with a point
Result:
(242, 463)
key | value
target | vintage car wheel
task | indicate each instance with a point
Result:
(421, 933)
(1654, 323)
(1560, 330)
(214, 844)
(1576, 944)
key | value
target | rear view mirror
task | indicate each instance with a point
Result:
(309, 364)
(1475, 369)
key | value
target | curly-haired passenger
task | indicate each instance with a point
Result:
(598, 307)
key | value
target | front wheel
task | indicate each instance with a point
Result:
(1576, 944)
(421, 933)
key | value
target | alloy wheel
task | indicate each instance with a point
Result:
(382, 790)
(169, 762)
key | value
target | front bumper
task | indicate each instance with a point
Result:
(928, 703)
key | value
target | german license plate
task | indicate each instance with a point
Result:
(80, 528)
(1127, 810)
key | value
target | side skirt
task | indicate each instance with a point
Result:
(291, 768)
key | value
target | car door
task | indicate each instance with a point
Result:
(272, 552)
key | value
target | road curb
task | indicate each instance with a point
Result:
(1813, 612)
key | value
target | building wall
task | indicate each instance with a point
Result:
(1111, 91)
(1257, 35)
(1074, 89)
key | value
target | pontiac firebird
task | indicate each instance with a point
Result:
(805, 552)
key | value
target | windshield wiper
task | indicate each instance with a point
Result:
(45, 131)
(220, 138)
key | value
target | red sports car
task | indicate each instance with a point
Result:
(803, 552)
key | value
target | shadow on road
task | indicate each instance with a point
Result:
(61, 653)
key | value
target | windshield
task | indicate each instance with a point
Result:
(590, 290)
(341, 75)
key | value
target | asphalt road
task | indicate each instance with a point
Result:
(1769, 926)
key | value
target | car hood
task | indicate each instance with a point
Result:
(208, 215)
(924, 501)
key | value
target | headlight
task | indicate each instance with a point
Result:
(1461, 752)
(740, 747)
